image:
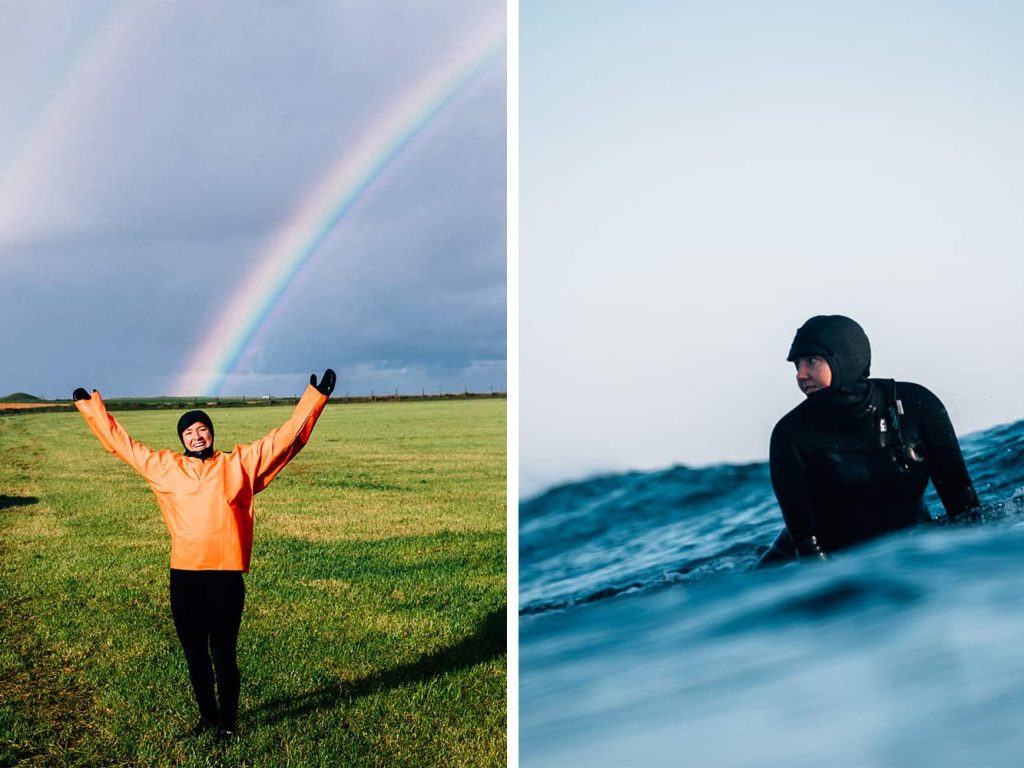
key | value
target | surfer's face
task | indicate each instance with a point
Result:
(197, 437)
(813, 374)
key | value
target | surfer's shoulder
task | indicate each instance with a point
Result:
(911, 394)
(790, 421)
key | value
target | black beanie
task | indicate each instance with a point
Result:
(190, 418)
(840, 341)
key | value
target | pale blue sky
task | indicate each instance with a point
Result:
(697, 178)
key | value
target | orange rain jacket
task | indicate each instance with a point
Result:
(208, 505)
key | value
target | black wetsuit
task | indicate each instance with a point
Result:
(847, 466)
(853, 460)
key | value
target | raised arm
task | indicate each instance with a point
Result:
(108, 430)
(266, 457)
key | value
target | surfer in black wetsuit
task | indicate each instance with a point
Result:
(853, 460)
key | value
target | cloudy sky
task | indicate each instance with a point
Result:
(698, 178)
(151, 154)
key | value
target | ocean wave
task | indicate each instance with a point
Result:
(586, 542)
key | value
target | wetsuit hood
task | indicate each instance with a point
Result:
(187, 420)
(841, 342)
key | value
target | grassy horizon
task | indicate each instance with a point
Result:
(374, 627)
(24, 397)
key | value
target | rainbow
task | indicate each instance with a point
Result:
(292, 246)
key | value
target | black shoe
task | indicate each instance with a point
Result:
(203, 726)
(227, 734)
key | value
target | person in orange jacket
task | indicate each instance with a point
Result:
(206, 498)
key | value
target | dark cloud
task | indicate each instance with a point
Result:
(177, 166)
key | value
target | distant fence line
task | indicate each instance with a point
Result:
(178, 403)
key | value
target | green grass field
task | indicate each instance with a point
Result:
(374, 627)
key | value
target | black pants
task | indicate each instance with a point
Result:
(207, 610)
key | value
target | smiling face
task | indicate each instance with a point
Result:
(813, 374)
(197, 437)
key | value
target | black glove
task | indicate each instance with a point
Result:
(80, 394)
(809, 548)
(326, 385)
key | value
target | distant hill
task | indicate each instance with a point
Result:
(20, 397)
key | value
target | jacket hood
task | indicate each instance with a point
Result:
(841, 342)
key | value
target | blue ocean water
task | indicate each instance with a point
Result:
(648, 638)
